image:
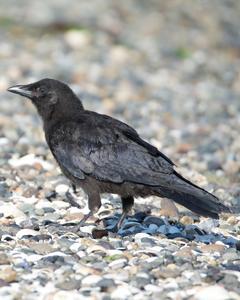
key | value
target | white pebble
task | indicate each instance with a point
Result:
(75, 247)
(117, 264)
(91, 280)
(61, 189)
(28, 232)
(29, 160)
(10, 210)
(121, 292)
(212, 292)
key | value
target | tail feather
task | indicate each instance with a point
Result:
(193, 197)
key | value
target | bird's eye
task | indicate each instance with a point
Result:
(41, 91)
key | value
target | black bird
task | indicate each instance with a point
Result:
(103, 155)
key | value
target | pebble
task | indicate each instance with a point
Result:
(8, 274)
(212, 292)
(106, 283)
(186, 220)
(4, 260)
(213, 248)
(91, 280)
(118, 264)
(9, 210)
(153, 220)
(141, 236)
(30, 160)
(26, 233)
(62, 189)
(121, 292)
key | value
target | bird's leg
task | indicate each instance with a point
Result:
(94, 203)
(127, 204)
(84, 219)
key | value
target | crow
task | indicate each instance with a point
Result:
(101, 154)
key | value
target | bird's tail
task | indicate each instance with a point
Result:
(193, 197)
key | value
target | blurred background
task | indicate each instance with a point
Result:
(171, 69)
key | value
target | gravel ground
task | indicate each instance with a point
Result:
(171, 69)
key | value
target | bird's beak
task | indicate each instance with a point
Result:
(23, 90)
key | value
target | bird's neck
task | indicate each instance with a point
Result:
(61, 113)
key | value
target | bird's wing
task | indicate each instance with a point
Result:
(109, 153)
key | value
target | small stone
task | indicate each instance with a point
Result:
(163, 229)
(63, 295)
(26, 233)
(99, 233)
(4, 260)
(214, 164)
(152, 228)
(106, 283)
(229, 255)
(213, 248)
(153, 220)
(8, 274)
(141, 280)
(140, 236)
(153, 288)
(42, 237)
(169, 209)
(11, 211)
(49, 209)
(208, 224)
(61, 204)
(75, 247)
(61, 189)
(39, 211)
(212, 292)
(117, 264)
(69, 284)
(91, 280)
(121, 292)
(7, 238)
(185, 252)
(30, 160)
(41, 248)
(186, 220)
(232, 167)
(173, 230)
(73, 216)
(232, 220)
(77, 39)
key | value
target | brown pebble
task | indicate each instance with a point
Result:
(186, 220)
(8, 274)
(37, 166)
(232, 220)
(73, 216)
(99, 233)
(4, 260)
(184, 148)
(185, 252)
(212, 248)
(169, 209)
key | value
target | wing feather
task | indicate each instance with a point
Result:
(108, 154)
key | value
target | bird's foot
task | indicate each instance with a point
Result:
(82, 222)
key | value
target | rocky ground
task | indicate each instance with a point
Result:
(171, 69)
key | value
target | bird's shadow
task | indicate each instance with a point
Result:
(171, 229)
(152, 225)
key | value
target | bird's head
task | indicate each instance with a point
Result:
(49, 96)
